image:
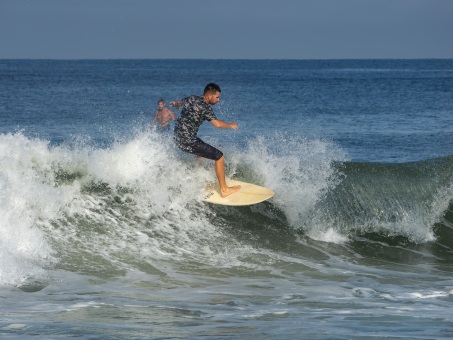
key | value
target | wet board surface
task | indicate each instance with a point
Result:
(247, 195)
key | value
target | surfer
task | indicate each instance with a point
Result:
(195, 110)
(164, 116)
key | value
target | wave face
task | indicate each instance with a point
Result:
(136, 204)
(392, 199)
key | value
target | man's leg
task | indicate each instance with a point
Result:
(204, 150)
(220, 173)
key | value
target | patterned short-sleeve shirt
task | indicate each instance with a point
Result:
(194, 112)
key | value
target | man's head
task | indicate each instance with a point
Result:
(211, 93)
(161, 103)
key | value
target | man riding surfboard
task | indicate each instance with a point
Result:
(195, 110)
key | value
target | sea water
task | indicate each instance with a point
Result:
(103, 233)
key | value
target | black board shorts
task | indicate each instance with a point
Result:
(201, 149)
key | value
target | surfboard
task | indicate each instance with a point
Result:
(248, 194)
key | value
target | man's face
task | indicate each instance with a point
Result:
(213, 98)
(161, 105)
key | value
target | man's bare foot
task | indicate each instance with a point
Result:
(229, 191)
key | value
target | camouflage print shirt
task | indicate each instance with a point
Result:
(194, 112)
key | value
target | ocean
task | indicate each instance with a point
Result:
(103, 234)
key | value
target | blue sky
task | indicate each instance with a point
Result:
(228, 29)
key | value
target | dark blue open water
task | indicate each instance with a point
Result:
(103, 233)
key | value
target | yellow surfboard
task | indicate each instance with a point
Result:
(248, 194)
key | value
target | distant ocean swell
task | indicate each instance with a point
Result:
(136, 204)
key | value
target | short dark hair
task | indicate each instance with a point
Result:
(161, 100)
(212, 88)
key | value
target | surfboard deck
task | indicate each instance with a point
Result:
(248, 194)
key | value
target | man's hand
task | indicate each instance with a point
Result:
(233, 125)
(176, 104)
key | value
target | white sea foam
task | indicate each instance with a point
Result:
(27, 196)
(300, 171)
(329, 235)
(100, 207)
